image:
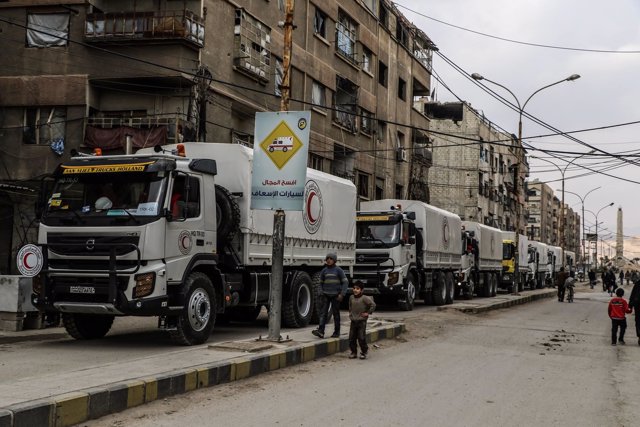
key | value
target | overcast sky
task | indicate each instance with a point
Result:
(606, 94)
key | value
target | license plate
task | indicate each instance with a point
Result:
(82, 290)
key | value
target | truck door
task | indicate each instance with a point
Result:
(185, 228)
(408, 238)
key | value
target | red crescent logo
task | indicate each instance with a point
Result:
(24, 260)
(309, 201)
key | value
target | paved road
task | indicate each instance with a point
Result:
(544, 363)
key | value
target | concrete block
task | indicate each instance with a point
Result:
(34, 413)
(6, 418)
(71, 409)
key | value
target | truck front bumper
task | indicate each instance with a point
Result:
(153, 306)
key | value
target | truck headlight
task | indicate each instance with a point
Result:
(144, 284)
(393, 278)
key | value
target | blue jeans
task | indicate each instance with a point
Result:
(324, 311)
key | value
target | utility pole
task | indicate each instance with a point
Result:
(279, 218)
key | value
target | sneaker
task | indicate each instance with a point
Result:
(363, 355)
(621, 342)
(335, 335)
(318, 333)
(353, 356)
(613, 343)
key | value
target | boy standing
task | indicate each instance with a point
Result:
(360, 307)
(333, 285)
(618, 308)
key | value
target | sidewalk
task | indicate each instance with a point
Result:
(71, 397)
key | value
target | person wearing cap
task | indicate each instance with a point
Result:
(360, 307)
(333, 287)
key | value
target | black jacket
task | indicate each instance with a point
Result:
(634, 298)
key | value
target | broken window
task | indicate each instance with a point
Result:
(279, 76)
(422, 52)
(318, 95)
(383, 73)
(402, 89)
(44, 125)
(320, 23)
(47, 29)
(384, 14)
(402, 33)
(366, 121)
(252, 41)
(346, 36)
(242, 138)
(346, 102)
(363, 185)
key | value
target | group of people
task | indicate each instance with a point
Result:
(333, 288)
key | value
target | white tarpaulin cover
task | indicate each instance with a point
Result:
(47, 29)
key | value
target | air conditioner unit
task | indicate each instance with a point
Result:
(401, 155)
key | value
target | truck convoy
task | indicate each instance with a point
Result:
(170, 233)
(173, 235)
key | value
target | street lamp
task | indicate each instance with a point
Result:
(582, 199)
(516, 174)
(604, 207)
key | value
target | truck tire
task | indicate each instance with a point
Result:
(409, 294)
(440, 290)
(227, 215)
(297, 308)
(450, 287)
(87, 326)
(487, 285)
(317, 298)
(198, 315)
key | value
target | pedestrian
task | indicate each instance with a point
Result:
(634, 303)
(621, 275)
(360, 308)
(333, 287)
(611, 282)
(634, 277)
(618, 309)
(561, 278)
(627, 276)
(569, 285)
(604, 279)
(592, 278)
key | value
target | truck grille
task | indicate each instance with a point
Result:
(90, 245)
(371, 257)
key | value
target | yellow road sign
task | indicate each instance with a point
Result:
(281, 145)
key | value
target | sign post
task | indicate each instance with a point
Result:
(278, 183)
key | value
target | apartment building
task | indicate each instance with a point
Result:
(85, 74)
(478, 170)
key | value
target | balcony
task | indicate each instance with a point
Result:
(110, 133)
(127, 27)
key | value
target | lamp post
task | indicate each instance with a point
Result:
(596, 215)
(516, 174)
(582, 199)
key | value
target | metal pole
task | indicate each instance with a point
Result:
(277, 259)
(562, 222)
(596, 252)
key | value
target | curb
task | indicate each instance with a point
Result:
(76, 407)
(522, 299)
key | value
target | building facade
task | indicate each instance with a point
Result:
(478, 170)
(85, 74)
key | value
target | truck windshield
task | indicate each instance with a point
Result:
(507, 251)
(137, 194)
(370, 234)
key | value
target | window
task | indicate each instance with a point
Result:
(242, 138)
(320, 23)
(366, 121)
(318, 95)
(367, 57)
(346, 101)
(371, 5)
(44, 125)
(399, 191)
(400, 139)
(379, 188)
(402, 89)
(384, 14)
(185, 202)
(346, 36)
(383, 73)
(382, 131)
(279, 76)
(480, 183)
(363, 185)
(47, 29)
(316, 161)
(402, 34)
(252, 41)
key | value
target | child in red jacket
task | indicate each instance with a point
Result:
(618, 308)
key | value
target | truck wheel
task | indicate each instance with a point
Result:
(297, 307)
(87, 326)
(487, 285)
(198, 315)
(409, 295)
(450, 287)
(440, 290)
(227, 215)
(317, 298)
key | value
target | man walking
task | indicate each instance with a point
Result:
(634, 303)
(333, 287)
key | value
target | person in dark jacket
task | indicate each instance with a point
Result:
(360, 307)
(592, 278)
(333, 287)
(634, 303)
(618, 309)
(621, 276)
(560, 279)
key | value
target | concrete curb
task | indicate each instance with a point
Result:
(73, 408)
(516, 300)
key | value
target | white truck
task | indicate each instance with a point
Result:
(509, 274)
(407, 250)
(554, 264)
(156, 234)
(481, 261)
(538, 264)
